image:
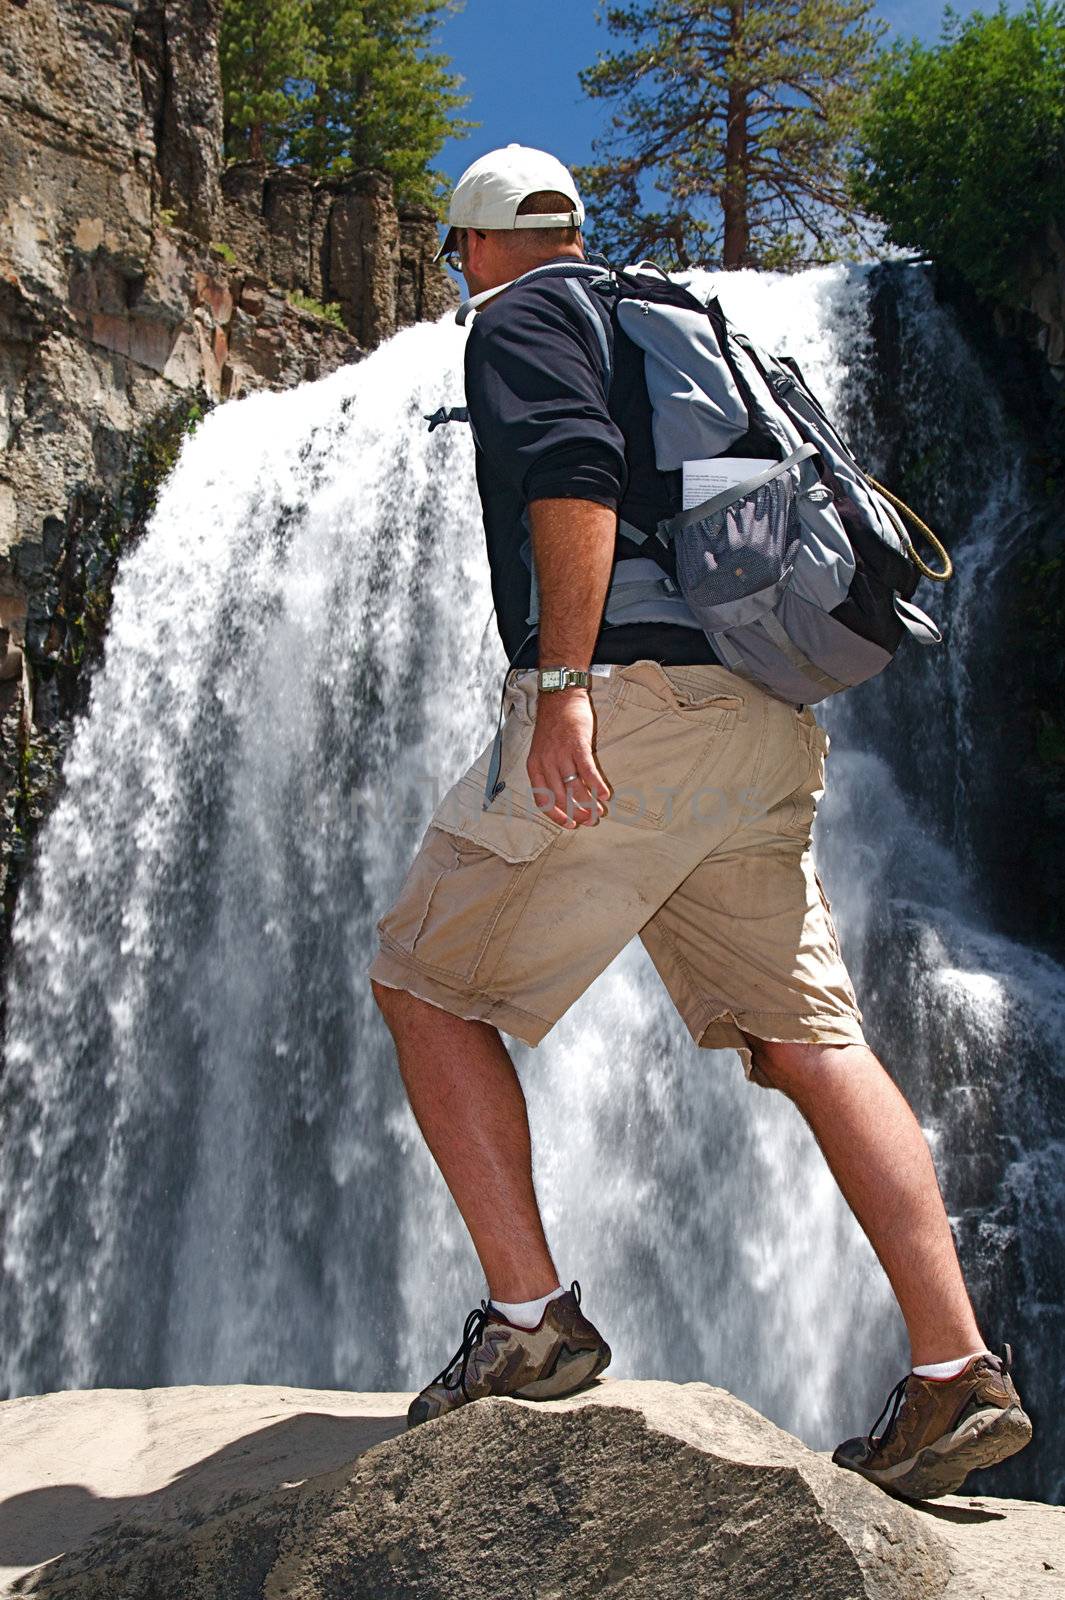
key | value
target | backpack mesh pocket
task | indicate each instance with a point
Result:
(732, 564)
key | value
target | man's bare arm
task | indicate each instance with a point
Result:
(573, 546)
(573, 542)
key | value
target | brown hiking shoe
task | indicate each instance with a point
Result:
(562, 1353)
(941, 1429)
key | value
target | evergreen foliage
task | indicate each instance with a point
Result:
(737, 113)
(962, 148)
(381, 97)
(340, 85)
(265, 55)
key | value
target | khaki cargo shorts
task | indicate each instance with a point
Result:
(507, 916)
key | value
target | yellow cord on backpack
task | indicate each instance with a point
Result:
(937, 546)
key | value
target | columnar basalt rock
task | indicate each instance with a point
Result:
(423, 292)
(175, 43)
(362, 251)
(340, 241)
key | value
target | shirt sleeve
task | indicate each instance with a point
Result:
(535, 390)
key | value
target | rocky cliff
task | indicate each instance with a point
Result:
(636, 1489)
(1039, 315)
(140, 282)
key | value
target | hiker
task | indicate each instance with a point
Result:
(639, 787)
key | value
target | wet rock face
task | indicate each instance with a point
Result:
(1039, 315)
(1007, 757)
(135, 274)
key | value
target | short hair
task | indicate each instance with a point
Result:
(534, 241)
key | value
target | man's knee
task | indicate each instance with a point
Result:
(390, 1001)
(771, 1062)
(791, 1067)
(401, 1008)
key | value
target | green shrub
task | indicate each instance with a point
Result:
(305, 302)
(226, 251)
(961, 150)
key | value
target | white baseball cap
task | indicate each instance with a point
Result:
(490, 191)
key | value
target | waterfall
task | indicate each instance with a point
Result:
(209, 1169)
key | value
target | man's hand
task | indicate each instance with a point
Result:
(562, 745)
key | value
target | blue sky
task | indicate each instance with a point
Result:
(520, 60)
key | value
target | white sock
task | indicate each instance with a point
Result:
(947, 1369)
(526, 1313)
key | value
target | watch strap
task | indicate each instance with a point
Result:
(550, 679)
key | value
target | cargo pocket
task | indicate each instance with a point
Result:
(476, 867)
(513, 826)
(473, 864)
(466, 888)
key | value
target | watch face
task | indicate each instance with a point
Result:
(551, 678)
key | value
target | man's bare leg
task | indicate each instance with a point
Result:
(879, 1157)
(470, 1107)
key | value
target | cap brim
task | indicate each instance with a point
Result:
(447, 246)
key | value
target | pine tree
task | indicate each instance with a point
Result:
(265, 52)
(738, 113)
(379, 95)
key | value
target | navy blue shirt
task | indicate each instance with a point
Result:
(544, 427)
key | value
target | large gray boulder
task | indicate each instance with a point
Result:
(629, 1489)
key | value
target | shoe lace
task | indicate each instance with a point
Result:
(472, 1334)
(893, 1404)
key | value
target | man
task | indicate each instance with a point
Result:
(646, 790)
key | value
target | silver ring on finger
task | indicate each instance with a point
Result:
(572, 777)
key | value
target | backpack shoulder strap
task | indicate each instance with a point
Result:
(576, 275)
(598, 317)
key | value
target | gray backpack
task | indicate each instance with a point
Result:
(800, 575)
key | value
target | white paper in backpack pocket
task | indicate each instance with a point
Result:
(704, 479)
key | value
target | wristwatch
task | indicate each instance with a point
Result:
(551, 678)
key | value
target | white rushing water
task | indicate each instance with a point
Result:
(209, 1171)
